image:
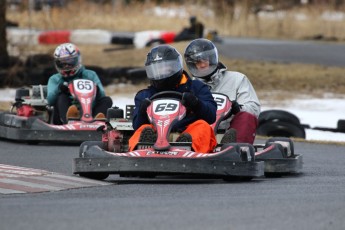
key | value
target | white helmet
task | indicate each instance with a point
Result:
(67, 59)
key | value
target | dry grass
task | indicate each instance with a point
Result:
(269, 79)
(295, 23)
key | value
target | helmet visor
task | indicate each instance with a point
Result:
(202, 63)
(162, 70)
(67, 63)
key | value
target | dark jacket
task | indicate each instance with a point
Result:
(206, 111)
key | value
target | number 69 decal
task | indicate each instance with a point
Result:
(165, 107)
(83, 86)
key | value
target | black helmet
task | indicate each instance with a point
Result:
(201, 50)
(164, 67)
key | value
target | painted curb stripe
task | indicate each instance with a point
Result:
(14, 180)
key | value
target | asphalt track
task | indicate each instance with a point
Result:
(285, 51)
(314, 199)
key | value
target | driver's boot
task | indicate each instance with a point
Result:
(184, 137)
(100, 116)
(230, 136)
(148, 135)
(72, 113)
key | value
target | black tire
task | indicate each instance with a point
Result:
(280, 115)
(40, 61)
(237, 178)
(102, 74)
(122, 40)
(137, 75)
(281, 129)
(341, 125)
(95, 176)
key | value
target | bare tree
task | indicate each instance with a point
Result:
(4, 57)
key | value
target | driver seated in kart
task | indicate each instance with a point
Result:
(164, 69)
(201, 57)
(67, 60)
(195, 30)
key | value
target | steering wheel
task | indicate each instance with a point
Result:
(167, 94)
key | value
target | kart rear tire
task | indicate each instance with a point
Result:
(94, 176)
(280, 115)
(281, 129)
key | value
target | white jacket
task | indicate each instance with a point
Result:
(237, 87)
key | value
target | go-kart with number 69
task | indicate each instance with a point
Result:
(228, 161)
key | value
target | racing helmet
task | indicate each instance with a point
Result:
(192, 20)
(201, 50)
(67, 59)
(164, 67)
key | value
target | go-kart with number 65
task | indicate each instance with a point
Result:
(31, 118)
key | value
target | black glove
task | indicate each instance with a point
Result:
(235, 107)
(190, 101)
(143, 106)
(64, 87)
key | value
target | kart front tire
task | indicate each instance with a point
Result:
(237, 178)
(95, 176)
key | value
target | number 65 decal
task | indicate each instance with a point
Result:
(83, 86)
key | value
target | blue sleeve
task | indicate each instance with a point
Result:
(53, 88)
(140, 119)
(207, 107)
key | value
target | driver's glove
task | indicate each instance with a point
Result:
(235, 107)
(189, 100)
(64, 87)
(143, 106)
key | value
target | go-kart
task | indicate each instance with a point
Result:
(31, 119)
(228, 161)
(278, 153)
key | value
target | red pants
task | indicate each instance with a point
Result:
(203, 137)
(245, 125)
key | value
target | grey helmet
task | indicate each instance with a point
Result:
(201, 50)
